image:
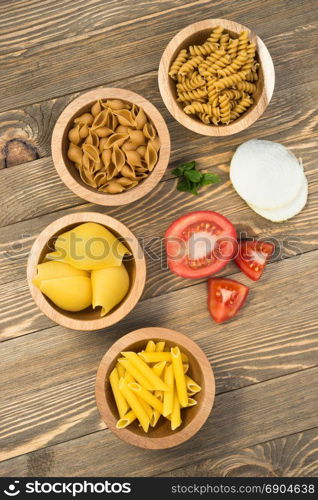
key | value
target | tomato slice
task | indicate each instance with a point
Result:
(225, 298)
(200, 244)
(252, 257)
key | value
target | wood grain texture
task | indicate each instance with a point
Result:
(242, 352)
(255, 411)
(290, 456)
(23, 79)
(265, 360)
(195, 34)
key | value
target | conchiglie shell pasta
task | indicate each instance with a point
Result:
(74, 153)
(128, 171)
(113, 147)
(114, 187)
(137, 137)
(115, 104)
(96, 108)
(74, 135)
(122, 129)
(84, 131)
(133, 158)
(115, 139)
(54, 270)
(92, 152)
(118, 158)
(141, 150)
(106, 157)
(92, 139)
(151, 156)
(124, 117)
(85, 118)
(140, 119)
(149, 131)
(101, 119)
(89, 246)
(109, 287)
(128, 146)
(71, 294)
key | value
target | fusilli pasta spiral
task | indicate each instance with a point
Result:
(214, 81)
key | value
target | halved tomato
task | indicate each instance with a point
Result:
(252, 257)
(200, 244)
(225, 298)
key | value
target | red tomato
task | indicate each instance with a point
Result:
(225, 298)
(200, 244)
(252, 257)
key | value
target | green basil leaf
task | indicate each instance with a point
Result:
(209, 179)
(193, 175)
(180, 169)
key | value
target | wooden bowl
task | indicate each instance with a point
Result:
(68, 172)
(88, 319)
(196, 34)
(161, 436)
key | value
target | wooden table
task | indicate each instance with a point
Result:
(265, 416)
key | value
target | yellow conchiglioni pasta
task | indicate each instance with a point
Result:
(71, 294)
(54, 270)
(89, 246)
(109, 286)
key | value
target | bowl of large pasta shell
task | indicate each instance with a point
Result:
(110, 146)
(216, 77)
(86, 271)
(147, 427)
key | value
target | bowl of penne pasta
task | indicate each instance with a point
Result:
(216, 77)
(155, 388)
(110, 146)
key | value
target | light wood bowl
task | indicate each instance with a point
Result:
(88, 319)
(196, 34)
(68, 172)
(161, 436)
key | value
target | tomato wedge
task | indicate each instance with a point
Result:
(252, 257)
(225, 298)
(200, 244)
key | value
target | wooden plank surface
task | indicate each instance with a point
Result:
(242, 352)
(290, 456)
(241, 418)
(265, 361)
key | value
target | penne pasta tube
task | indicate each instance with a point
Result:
(168, 395)
(156, 414)
(175, 415)
(159, 367)
(128, 377)
(179, 376)
(146, 371)
(126, 420)
(185, 367)
(192, 402)
(136, 374)
(156, 357)
(160, 346)
(146, 396)
(120, 370)
(151, 346)
(146, 407)
(192, 386)
(134, 404)
(120, 400)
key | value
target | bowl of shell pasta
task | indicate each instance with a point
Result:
(110, 146)
(216, 77)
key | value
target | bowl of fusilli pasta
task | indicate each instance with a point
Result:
(216, 77)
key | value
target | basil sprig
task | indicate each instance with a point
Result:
(190, 179)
